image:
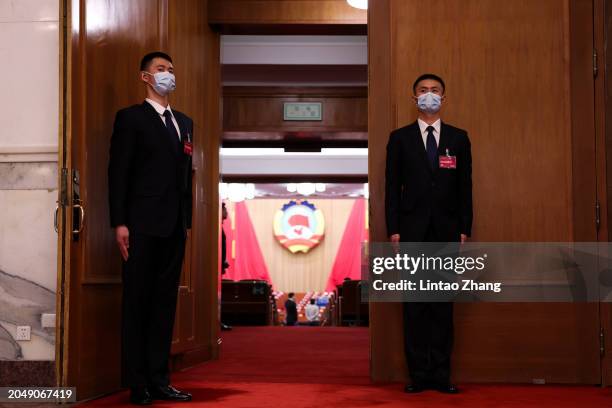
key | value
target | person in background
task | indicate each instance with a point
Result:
(224, 263)
(312, 312)
(323, 300)
(291, 310)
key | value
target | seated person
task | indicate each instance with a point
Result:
(312, 313)
(291, 310)
(323, 300)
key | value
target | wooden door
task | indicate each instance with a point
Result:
(519, 78)
(105, 41)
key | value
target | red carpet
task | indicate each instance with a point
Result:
(299, 367)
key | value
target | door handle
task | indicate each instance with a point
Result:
(55, 224)
(81, 210)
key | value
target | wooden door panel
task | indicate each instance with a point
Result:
(113, 38)
(98, 346)
(106, 40)
(480, 48)
(183, 338)
(510, 342)
(519, 81)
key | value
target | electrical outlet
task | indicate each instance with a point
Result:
(23, 333)
(47, 320)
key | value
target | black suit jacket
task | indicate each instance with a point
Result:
(416, 195)
(291, 311)
(149, 176)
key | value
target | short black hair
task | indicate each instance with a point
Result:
(146, 61)
(312, 301)
(428, 76)
(291, 294)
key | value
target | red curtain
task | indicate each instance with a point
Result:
(348, 258)
(243, 252)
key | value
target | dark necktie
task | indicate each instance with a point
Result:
(172, 129)
(432, 147)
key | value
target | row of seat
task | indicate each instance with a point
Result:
(252, 302)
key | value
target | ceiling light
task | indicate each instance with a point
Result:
(306, 189)
(250, 191)
(236, 192)
(360, 4)
(223, 191)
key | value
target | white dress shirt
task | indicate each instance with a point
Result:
(312, 312)
(423, 126)
(160, 109)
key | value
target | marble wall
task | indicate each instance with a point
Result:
(29, 111)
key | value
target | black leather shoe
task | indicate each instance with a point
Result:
(226, 327)
(448, 389)
(140, 396)
(169, 393)
(413, 388)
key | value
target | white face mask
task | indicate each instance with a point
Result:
(165, 82)
(429, 102)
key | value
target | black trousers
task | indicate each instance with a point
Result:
(428, 338)
(150, 289)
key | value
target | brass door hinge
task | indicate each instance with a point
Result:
(63, 198)
(597, 215)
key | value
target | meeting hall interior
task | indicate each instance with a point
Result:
(261, 151)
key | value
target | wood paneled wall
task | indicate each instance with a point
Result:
(527, 105)
(256, 113)
(260, 109)
(291, 16)
(299, 272)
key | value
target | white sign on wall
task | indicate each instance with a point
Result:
(300, 111)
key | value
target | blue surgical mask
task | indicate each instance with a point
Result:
(164, 82)
(429, 102)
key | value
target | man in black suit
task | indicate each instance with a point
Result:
(149, 176)
(428, 198)
(291, 314)
(224, 263)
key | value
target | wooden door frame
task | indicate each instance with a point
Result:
(68, 259)
(64, 216)
(600, 28)
(206, 209)
(602, 34)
